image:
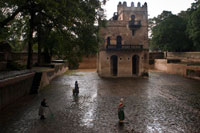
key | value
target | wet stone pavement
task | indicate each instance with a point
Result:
(160, 103)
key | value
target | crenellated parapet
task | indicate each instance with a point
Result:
(124, 12)
(123, 7)
(124, 4)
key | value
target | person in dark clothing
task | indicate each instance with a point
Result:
(42, 109)
(76, 89)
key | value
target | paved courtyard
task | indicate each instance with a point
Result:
(160, 103)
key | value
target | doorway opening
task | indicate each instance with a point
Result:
(135, 65)
(113, 64)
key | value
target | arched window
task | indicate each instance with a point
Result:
(119, 41)
(133, 18)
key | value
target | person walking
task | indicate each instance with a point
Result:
(76, 89)
(42, 109)
(121, 114)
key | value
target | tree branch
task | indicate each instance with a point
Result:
(10, 18)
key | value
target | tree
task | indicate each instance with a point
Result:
(170, 34)
(44, 18)
(193, 28)
(153, 22)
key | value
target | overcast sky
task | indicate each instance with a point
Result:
(155, 7)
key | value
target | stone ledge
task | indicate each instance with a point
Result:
(12, 80)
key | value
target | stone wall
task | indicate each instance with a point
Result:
(88, 62)
(50, 74)
(13, 88)
(18, 86)
(183, 69)
(172, 68)
(18, 57)
(160, 64)
(153, 56)
(156, 55)
(184, 56)
(193, 72)
(22, 57)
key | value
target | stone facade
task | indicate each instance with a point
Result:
(125, 49)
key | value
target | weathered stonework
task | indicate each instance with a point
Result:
(125, 49)
(182, 63)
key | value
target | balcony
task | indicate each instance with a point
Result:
(133, 25)
(124, 47)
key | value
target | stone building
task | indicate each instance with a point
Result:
(125, 49)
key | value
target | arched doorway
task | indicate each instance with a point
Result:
(113, 65)
(119, 41)
(135, 65)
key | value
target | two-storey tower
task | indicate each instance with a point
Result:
(125, 49)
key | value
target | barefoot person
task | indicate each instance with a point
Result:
(42, 109)
(121, 115)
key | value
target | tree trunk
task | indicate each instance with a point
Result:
(46, 56)
(39, 46)
(30, 41)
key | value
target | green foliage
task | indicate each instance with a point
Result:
(194, 28)
(169, 35)
(64, 28)
(176, 33)
(157, 20)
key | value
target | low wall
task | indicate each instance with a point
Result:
(22, 57)
(50, 74)
(184, 56)
(160, 64)
(18, 57)
(156, 55)
(176, 68)
(88, 63)
(153, 56)
(13, 88)
(193, 72)
(172, 68)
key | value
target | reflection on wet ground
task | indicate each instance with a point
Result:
(160, 103)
